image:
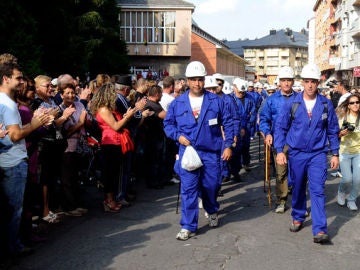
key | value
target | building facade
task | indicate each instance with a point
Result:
(162, 38)
(337, 38)
(157, 34)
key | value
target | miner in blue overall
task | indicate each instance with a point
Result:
(247, 110)
(310, 131)
(268, 116)
(195, 118)
(231, 105)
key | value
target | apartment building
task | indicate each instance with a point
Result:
(337, 39)
(325, 48)
(162, 38)
(268, 54)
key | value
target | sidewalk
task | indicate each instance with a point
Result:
(250, 235)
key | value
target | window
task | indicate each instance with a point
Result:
(147, 27)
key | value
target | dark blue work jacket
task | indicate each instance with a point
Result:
(307, 134)
(205, 132)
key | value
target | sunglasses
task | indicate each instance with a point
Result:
(354, 102)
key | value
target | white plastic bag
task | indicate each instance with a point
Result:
(190, 160)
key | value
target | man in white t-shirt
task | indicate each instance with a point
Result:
(310, 132)
(13, 162)
(167, 94)
(343, 89)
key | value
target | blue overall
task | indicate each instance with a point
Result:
(241, 155)
(309, 140)
(270, 112)
(257, 101)
(205, 136)
(230, 104)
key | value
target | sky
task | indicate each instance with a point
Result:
(241, 19)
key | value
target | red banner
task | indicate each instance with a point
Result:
(356, 71)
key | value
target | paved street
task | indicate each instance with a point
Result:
(250, 236)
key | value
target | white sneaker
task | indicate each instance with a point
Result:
(341, 198)
(184, 235)
(352, 206)
(200, 204)
(336, 174)
(174, 180)
(280, 209)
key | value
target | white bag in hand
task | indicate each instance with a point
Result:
(190, 160)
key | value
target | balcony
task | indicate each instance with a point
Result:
(284, 53)
(272, 53)
(272, 71)
(249, 54)
(272, 63)
(284, 63)
(355, 28)
(338, 13)
(356, 62)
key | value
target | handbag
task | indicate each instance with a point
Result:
(190, 160)
(124, 137)
(126, 142)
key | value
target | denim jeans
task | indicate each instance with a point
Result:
(350, 170)
(12, 187)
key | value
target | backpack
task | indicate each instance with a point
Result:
(295, 106)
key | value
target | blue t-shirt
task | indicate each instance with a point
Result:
(9, 115)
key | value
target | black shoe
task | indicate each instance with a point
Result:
(226, 179)
(296, 226)
(321, 238)
(236, 178)
(156, 186)
(246, 168)
(23, 252)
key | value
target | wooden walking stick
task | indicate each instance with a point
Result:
(267, 172)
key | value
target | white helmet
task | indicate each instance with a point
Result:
(286, 73)
(311, 71)
(240, 84)
(258, 85)
(276, 81)
(54, 82)
(250, 83)
(219, 76)
(266, 85)
(210, 82)
(195, 69)
(227, 88)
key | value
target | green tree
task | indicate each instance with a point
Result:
(64, 36)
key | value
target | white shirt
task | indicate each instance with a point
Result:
(165, 101)
(195, 103)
